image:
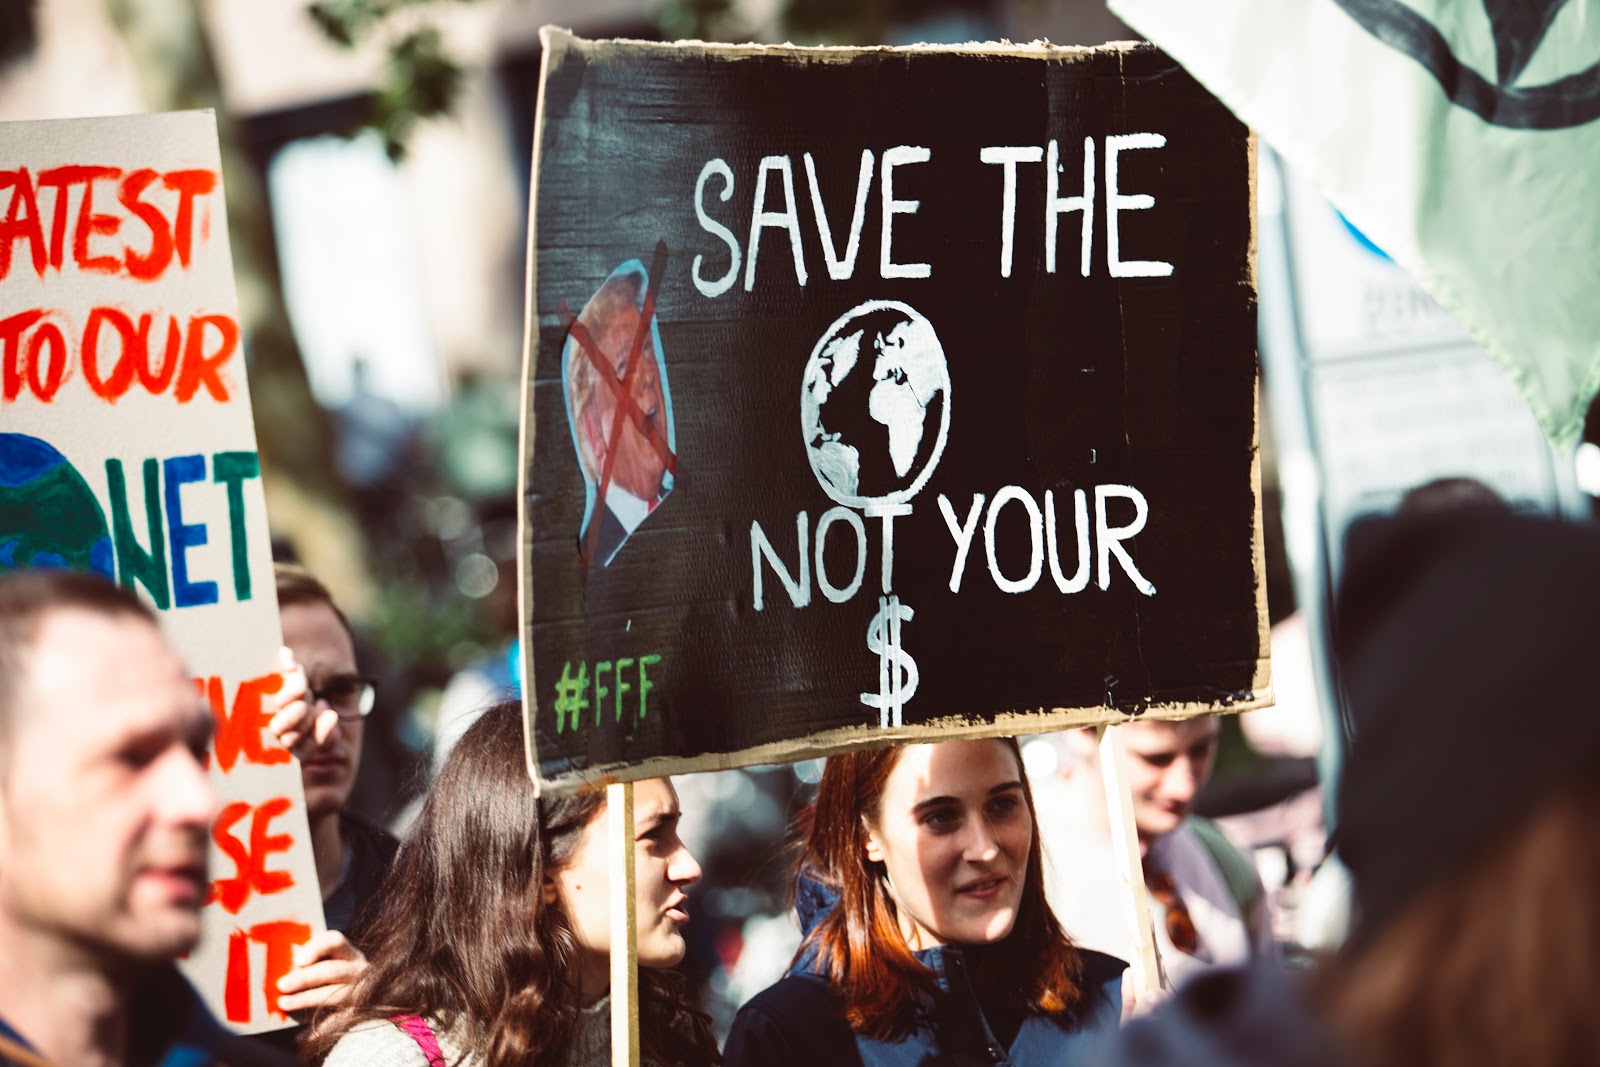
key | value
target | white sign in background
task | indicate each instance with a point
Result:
(123, 363)
(1398, 393)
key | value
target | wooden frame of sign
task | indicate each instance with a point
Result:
(1145, 967)
(624, 927)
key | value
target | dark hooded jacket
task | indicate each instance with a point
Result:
(800, 1020)
(1232, 1017)
(1447, 624)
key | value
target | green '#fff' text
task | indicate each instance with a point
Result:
(607, 685)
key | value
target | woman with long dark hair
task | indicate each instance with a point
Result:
(491, 945)
(930, 942)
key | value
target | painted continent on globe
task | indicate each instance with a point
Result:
(874, 407)
(49, 516)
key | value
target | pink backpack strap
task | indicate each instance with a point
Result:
(418, 1030)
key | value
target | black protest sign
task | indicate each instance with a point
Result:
(882, 394)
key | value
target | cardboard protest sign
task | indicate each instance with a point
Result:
(882, 394)
(127, 448)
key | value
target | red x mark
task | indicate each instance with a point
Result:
(626, 404)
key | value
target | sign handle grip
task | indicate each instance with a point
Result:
(624, 928)
(1146, 965)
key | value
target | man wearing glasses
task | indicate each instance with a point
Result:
(352, 855)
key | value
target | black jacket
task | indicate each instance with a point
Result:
(1233, 1017)
(372, 852)
(800, 1021)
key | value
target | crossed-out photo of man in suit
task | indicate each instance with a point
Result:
(627, 469)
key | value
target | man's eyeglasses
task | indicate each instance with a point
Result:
(351, 695)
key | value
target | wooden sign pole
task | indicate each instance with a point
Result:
(624, 928)
(1147, 976)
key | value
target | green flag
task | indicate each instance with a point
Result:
(1463, 139)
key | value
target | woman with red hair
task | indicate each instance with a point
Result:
(933, 943)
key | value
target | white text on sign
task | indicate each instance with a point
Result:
(778, 172)
(1044, 545)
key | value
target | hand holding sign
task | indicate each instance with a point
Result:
(297, 719)
(328, 966)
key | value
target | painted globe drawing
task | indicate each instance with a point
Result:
(875, 404)
(49, 516)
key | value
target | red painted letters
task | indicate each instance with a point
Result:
(115, 354)
(171, 228)
(280, 939)
(21, 221)
(249, 864)
(149, 266)
(241, 732)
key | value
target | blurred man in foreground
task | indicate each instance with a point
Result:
(105, 810)
(1206, 899)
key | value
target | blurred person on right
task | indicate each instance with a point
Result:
(1466, 815)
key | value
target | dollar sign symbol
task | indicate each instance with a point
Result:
(897, 671)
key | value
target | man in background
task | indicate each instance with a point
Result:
(352, 855)
(105, 810)
(1206, 900)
